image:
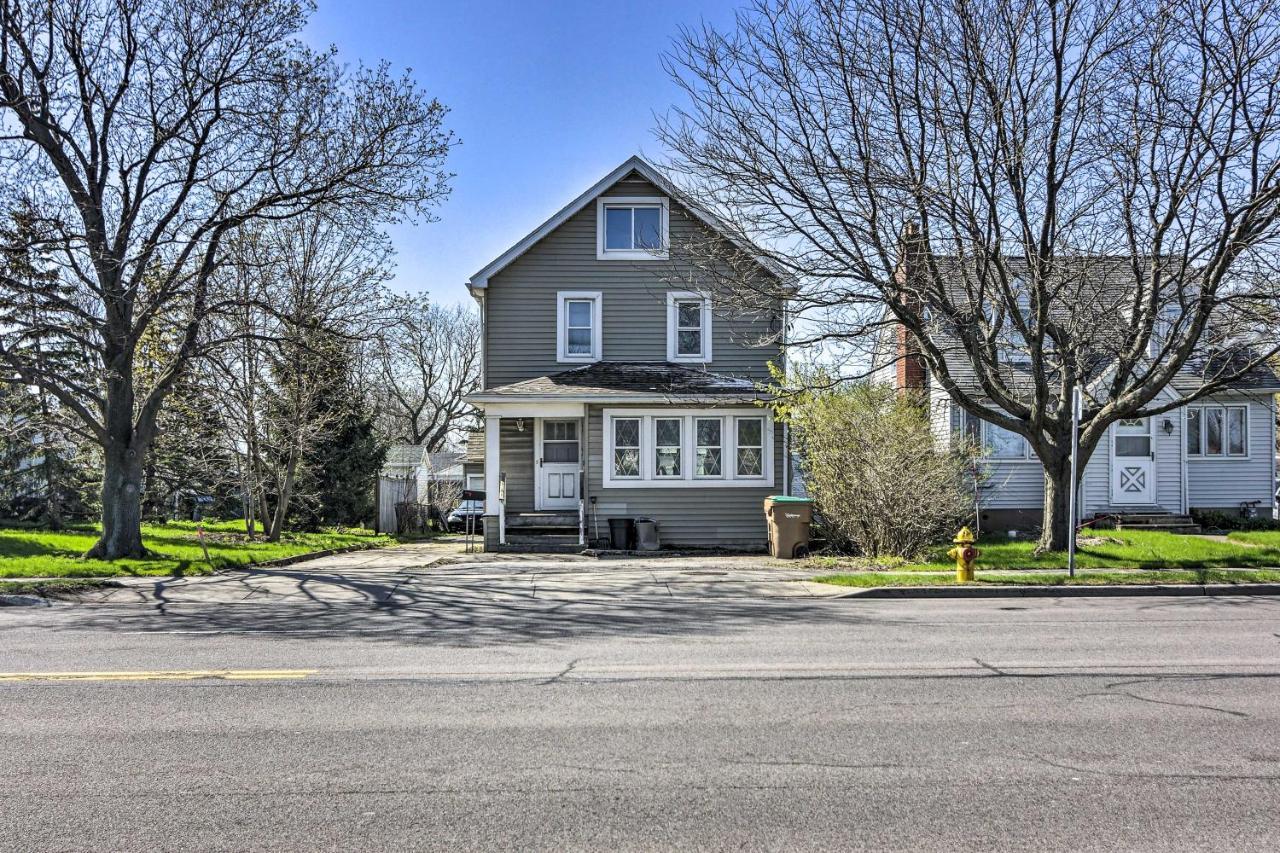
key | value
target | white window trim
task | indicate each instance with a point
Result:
(597, 323)
(688, 448)
(1201, 456)
(662, 202)
(609, 445)
(673, 315)
(651, 425)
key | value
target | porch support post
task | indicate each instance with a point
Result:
(492, 474)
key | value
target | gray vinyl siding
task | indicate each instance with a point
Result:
(516, 462)
(1225, 483)
(520, 304)
(725, 517)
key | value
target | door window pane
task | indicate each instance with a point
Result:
(750, 435)
(617, 228)
(1236, 443)
(666, 433)
(1213, 431)
(626, 447)
(1194, 432)
(707, 462)
(1133, 445)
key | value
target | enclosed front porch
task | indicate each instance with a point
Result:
(535, 475)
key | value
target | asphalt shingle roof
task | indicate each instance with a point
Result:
(628, 379)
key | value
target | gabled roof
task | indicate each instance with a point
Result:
(627, 381)
(646, 170)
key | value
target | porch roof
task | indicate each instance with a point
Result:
(627, 381)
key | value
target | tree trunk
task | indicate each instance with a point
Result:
(1056, 531)
(52, 500)
(282, 500)
(121, 504)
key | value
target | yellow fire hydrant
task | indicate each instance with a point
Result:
(964, 554)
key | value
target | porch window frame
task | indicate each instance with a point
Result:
(688, 437)
(611, 440)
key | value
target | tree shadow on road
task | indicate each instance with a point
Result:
(406, 609)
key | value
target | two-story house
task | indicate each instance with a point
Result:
(608, 392)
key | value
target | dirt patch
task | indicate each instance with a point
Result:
(1086, 541)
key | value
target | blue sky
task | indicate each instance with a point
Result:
(546, 96)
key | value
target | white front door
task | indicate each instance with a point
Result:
(556, 464)
(1133, 467)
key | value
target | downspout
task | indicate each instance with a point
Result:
(786, 459)
(484, 349)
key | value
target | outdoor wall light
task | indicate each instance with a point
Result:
(519, 424)
(1167, 427)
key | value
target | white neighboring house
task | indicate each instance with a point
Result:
(1214, 454)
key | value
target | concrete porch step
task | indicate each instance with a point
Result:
(1191, 529)
(544, 539)
(1167, 522)
(543, 520)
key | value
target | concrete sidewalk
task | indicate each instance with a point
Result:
(404, 575)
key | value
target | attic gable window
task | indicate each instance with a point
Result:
(631, 228)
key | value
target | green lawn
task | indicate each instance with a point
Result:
(1102, 549)
(1266, 538)
(1091, 577)
(34, 553)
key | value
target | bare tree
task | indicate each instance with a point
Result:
(148, 132)
(307, 289)
(424, 363)
(1044, 195)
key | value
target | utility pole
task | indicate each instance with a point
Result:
(1077, 404)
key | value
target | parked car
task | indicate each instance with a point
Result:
(467, 510)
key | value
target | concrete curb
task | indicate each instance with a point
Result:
(1101, 591)
(24, 601)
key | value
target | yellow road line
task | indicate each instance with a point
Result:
(161, 675)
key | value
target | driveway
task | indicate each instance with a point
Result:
(439, 571)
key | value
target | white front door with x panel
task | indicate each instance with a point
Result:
(1133, 466)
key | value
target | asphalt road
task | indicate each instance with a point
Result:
(723, 724)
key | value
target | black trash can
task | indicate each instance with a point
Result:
(622, 533)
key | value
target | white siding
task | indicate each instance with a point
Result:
(1224, 483)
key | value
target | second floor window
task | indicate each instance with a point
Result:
(578, 319)
(688, 327)
(633, 228)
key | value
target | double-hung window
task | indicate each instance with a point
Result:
(631, 228)
(1221, 431)
(687, 447)
(688, 327)
(578, 322)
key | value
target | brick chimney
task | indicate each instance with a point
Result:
(910, 363)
